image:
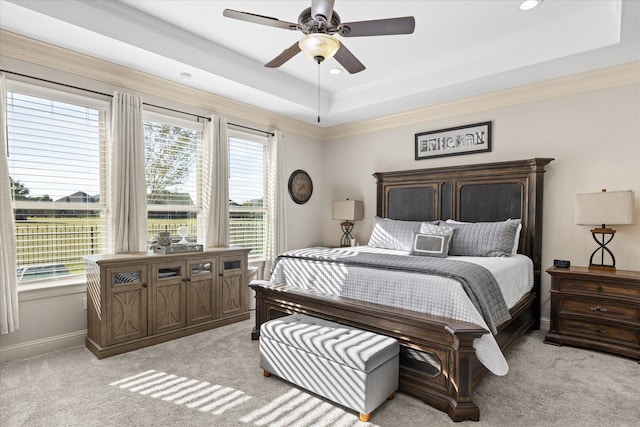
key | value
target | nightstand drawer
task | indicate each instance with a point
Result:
(600, 309)
(596, 309)
(594, 329)
(599, 288)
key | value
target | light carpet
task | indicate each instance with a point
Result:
(213, 379)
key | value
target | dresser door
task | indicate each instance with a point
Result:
(126, 303)
(234, 286)
(201, 301)
(168, 296)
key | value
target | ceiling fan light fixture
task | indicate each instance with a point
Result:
(321, 45)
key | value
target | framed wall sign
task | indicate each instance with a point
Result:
(474, 138)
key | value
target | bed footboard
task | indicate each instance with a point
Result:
(437, 358)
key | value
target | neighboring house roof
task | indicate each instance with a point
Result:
(77, 197)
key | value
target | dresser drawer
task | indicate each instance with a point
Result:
(599, 288)
(595, 329)
(600, 309)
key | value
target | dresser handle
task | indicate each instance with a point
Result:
(599, 309)
(599, 288)
(598, 330)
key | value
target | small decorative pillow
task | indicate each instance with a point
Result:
(432, 240)
(393, 234)
(488, 239)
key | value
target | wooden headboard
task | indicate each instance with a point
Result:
(472, 193)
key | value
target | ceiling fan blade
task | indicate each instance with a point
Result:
(379, 27)
(286, 55)
(259, 19)
(348, 60)
(322, 7)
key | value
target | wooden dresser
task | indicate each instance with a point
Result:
(137, 300)
(596, 309)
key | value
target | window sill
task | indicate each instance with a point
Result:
(74, 284)
(71, 285)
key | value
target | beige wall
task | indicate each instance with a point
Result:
(593, 132)
(304, 222)
(594, 138)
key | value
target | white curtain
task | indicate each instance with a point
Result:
(128, 181)
(215, 197)
(276, 218)
(8, 281)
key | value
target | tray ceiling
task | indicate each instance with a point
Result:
(459, 48)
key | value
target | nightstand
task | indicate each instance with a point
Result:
(596, 309)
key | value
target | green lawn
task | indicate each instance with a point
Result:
(67, 240)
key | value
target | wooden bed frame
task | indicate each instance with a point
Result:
(437, 361)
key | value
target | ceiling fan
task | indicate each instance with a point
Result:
(319, 23)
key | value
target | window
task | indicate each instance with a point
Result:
(248, 168)
(173, 171)
(58, 167)
(56, 156)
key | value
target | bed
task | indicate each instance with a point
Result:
(442, 357)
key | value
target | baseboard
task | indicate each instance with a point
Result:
(60, 342)
(41, 346)
(545, 322)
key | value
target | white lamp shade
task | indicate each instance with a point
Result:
(606, 207)
(347, 210)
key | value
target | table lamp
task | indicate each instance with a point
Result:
(347, 211)
(605, 207)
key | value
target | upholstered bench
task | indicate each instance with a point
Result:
(354, 368)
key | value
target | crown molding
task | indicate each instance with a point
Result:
(54, 57)
(604, 78)
(36, 52)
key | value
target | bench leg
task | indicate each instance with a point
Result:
(365, 417)
(266, 373)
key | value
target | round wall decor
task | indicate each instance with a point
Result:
(300, 186)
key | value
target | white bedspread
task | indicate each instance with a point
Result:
(436, 295)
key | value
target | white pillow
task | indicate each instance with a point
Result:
(393, 234)
(516, 243)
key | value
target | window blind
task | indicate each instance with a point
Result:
(247, 192)
(173, 160)
(56, 157)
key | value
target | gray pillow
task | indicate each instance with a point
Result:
(393, 234)
(516, 240)
(488, 239)
(432, 241)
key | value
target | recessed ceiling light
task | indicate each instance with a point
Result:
(335, 71)
(185, 76)
(530, 4)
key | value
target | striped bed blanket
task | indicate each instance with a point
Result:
(478, 283)
(438, 286)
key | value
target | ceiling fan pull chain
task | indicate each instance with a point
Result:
(319, 90)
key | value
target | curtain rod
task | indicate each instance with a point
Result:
(100, 93)
(253, 129)
(145, 103)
